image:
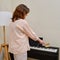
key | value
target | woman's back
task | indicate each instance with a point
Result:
(18, 39)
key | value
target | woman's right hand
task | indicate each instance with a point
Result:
(41, 42)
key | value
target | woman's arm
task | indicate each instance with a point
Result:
(30, 33)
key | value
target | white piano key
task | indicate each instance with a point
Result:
(45, 49)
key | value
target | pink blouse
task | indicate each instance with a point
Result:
(18, 39)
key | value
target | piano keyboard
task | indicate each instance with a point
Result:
(43, 52)
(45, 49)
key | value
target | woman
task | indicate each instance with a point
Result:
(19, 33)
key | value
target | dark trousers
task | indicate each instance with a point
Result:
(11, 56)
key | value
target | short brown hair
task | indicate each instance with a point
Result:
(20, 12)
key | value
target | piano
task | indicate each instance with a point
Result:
(40, 52)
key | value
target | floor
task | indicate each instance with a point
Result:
(31, 59)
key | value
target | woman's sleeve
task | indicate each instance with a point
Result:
(29, 32)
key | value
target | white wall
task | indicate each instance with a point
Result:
(5, 5)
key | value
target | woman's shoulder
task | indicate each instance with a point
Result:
(21, 21)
